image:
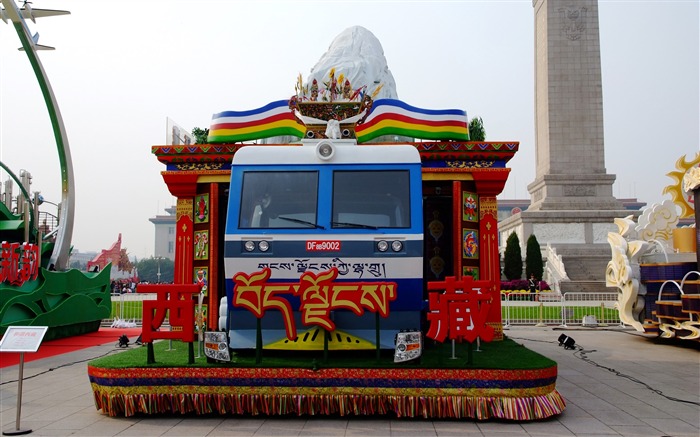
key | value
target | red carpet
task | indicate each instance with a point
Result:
(70, 344)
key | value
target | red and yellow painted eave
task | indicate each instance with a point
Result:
(501, 151)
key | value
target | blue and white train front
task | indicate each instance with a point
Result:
(297, 214)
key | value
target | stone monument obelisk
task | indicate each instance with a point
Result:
(571, 203)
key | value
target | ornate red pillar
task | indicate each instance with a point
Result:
(214, 237)
(457, 225)
(490, 262)
(489, 184)
(183, 186)
(184, 247)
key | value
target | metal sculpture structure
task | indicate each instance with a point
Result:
(60, 255)
(67, 301)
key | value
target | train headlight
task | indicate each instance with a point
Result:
(263, 246)
(382, 246)
(396, 246)
(249, 246)
(325, 150)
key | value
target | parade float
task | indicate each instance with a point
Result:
(654, 262)
(37, 287)
(337, 252)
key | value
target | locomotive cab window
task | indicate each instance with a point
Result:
(371, 199)
(279, 199)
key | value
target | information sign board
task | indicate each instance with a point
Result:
(22, 338)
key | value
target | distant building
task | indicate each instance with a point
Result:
(82, 258)
(165, 234)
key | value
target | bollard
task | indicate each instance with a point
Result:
(541, 322)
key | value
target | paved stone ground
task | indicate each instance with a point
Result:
(615, 382)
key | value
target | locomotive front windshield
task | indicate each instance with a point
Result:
(279, 199)
(371, 199)
(360, 199)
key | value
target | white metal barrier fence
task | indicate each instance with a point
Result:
(127, 309)
(547, 308)
(541, 309)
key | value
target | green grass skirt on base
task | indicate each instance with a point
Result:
(437, 387)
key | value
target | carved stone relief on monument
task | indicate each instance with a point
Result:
(560, 232)
(601, 230)
(579, 190)
(573, 22)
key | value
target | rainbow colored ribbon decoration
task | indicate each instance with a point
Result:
(394, 117)
(273, 119)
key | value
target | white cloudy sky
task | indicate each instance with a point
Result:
(122, 67)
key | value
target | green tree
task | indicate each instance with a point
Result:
(148, 269)
(533, 258)
(476, 129)
(200, 135)
(512, 259)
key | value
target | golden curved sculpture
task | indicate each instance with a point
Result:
(677, 191)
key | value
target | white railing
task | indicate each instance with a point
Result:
(550, 308)
(603, 306)
(127, 309)
(522, 308)
(554, 271)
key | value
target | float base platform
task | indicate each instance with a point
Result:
(480, 394)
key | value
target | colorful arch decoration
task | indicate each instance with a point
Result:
(394, 117)
(271, 120)
(386, 117)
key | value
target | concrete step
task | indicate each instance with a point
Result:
(586, 268)
(585, 287)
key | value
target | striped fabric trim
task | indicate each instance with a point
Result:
(273, 119)
(394, 117)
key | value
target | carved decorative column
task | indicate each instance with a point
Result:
(183, 185)
(184, 244)
(489, 184)
(215, 231)
(490, 264)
